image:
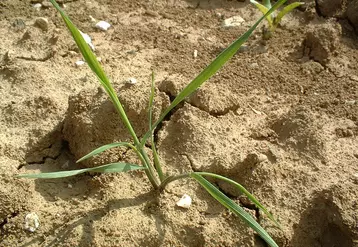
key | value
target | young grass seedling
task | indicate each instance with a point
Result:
(273, 19)
(153, 169)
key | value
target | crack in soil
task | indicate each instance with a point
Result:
(191, 162)
(6, 220)
(64, 148)
(32, 58)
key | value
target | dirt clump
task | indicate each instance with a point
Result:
(321, 43)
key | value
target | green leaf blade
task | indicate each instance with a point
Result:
(263, 10)
(231, 205)
(212, 68)
(104, 148)
(245, 192)
(286, 10)
(93, 63)
(109, 168)
(267, 3)
(84, 48)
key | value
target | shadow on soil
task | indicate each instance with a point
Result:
(321, 225)
(88, 220)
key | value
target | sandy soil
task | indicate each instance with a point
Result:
(281, 118)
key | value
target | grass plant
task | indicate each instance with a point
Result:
(273, 19)
(153, 168)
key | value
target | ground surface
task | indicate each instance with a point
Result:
(281, 118)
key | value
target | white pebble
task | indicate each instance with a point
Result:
(31, 222)
(195, 53)
(132, 81)
(79, 63)
(103, 25)
(88, 40)
(234, 21)
(37, 6)
(69, 186)
(184, 202)
(254, 65)
(86, 37)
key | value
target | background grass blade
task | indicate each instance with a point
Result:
(231, 205)
(244, 191)
(286, 10)
(156, 160)
(113, 167)
(104, 148)
(212, 68)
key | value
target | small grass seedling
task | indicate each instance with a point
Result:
(153, 168)
(273, 19)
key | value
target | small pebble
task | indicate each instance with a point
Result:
(354, 77)
(88, 40)
(46, 4)
(103, 25)
(37, 6)
(31, 222)
(195, 53)
(234, 21)
(355, 178)
(69, 186)
(42, 23)
(86, 37)
(92, 19)
(79, 63)
(72, 53)
(132, 81)
(261, 158)
(184, 202)
(254, 65)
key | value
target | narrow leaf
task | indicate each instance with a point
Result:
(267, 3)
(286, 10)
(104, 148)
(244, 191)
(231, 205)
(109, 168)
(84, 48)
(97, 69)
(211, 69)
(263, 10)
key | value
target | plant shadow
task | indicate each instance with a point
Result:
(87, 220)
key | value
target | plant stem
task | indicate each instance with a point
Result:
(144, 156)
(171, 179)
(149, 172)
